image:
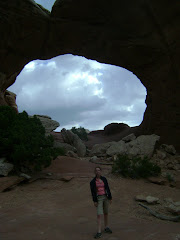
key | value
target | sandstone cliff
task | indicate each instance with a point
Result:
(141, 36)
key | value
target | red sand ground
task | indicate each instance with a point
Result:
(52, 209)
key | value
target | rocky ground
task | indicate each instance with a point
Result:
(61, 206)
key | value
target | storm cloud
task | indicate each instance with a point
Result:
(76, 91)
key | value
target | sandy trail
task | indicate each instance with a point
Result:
(52, 209)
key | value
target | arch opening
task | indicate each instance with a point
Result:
(78, 92)
(47, 4)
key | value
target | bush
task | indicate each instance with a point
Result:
(23, 141)
(135, 167)
(81, 132)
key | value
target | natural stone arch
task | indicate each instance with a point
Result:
(141, 36)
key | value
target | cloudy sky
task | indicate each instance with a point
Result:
(77, 92)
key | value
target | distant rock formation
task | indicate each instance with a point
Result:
(114, 128)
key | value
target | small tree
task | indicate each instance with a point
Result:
(136, 167)
(23, 141)
(81, 132)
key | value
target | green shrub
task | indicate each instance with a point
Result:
(23, 141)
(170, 177)
(135, 168)
(81, 132)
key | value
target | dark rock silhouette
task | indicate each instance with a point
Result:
(141, 36)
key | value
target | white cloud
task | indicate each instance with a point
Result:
(80, 92)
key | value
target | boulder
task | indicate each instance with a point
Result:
(72, 154)
(152, 200)
(68, 136)
(140, 198)
(168, 148)
(79, 145)
(148, 199)
(5, 168)
(26, 176)
(10, 99)
(66, 146)
(66, 178)
(129, 138)
(100, 149)
(117, 148)
(160, 154)
(142, 146)
(158, 180)
(174, 209)
(48, 123)
(73, 139)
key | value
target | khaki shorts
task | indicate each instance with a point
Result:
(103, 204)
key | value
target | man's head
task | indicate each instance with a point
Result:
(97, 171)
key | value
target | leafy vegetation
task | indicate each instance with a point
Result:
(136, 167)
(170, 177)
(23, 141)
(81, 132)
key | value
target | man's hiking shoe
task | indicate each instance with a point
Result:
(107, 230)
(98, 235)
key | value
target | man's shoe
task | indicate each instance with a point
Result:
(98, 235)
(107, 230)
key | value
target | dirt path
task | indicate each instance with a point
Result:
(52, 209)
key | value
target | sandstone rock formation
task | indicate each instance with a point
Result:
(141, 36)
(142, 146)
(48, 123)
(10, 99)
(66, 146)
(114, 128)
(129, 138)
(73, 139)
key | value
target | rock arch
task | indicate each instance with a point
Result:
(142, 36)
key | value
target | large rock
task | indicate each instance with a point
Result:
(111, 33)
(100, 149)
(73, 139)
(129, 138)
(117, 148)
(169, 149)
(48, 123)
(10, 99)
(142, 146)
(5, 168)
(174, 209)
(114, 128)
(66, 146)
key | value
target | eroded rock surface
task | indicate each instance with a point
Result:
(48, 123)
(70, 138)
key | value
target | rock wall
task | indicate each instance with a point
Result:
(142, 36)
